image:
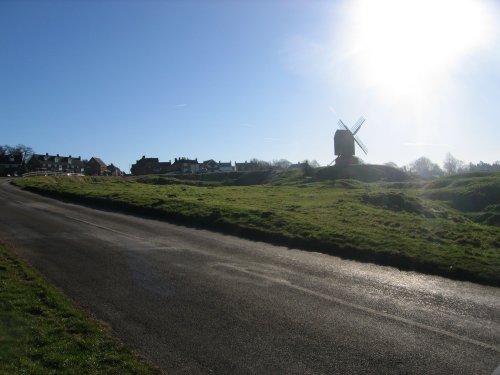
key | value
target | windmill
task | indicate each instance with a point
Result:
(344, 139)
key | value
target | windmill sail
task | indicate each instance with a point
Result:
(357, 125)
(345, 140)
(361, 145)
(342, 126)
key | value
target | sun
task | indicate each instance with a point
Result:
(402, 47)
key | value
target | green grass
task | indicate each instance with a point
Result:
(41, 332)
(475, 194)
(411, 224)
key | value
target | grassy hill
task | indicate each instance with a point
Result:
(447, 226)
(477, 195)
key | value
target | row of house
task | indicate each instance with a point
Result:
(180, 165)
(14, 165)
(55, 163)
(184, 165)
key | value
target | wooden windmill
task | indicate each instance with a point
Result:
(344, 139)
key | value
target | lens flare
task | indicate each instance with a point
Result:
(403, 47)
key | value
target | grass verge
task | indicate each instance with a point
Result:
(42, 332)
(411, 225)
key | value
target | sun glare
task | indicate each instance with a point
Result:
(403, 46)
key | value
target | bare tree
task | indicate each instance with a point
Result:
(25, 151)
(261, 164)
(425, 168)
(281, 163)
(5, 150)
(314, 163)
(452, 165)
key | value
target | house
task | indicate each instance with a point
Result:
(11, 165)
(209, 166)
(113, 171)
(180, 165)
(95, 167)
(297, 166)
(150, 166)
(144, 166)
(212, 166)
(55, 163)
(247, 166)
(154, 166)
(226, 167)
(184, 166)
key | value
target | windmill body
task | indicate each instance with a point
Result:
(344, 140)
(344, 143)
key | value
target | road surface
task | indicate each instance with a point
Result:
(195, 301)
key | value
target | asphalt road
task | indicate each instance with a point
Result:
(194, 301)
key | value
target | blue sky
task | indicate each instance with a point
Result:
(233, 80)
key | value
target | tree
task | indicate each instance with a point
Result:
(19, 149)
(282, 163)
(482, 166)
(313, 163)
(5, 150)
(261, 164)
(391, 164)
(452, 165)
(425, 168)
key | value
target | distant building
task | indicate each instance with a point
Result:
(149, 166)
(297, 166)
(226, 167)
(181, 165)
(11, 165)
(95, 167)
(209, 166)
(248, 166)
(184, 166)
(212, 166)
(154, 166)
(113, 171)
(55, 163)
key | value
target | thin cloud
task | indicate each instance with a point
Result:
(271, 139)
(180, 105)
(305, 56)
(426, 144)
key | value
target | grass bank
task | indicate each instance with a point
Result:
(409, 224)
(41, 332)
